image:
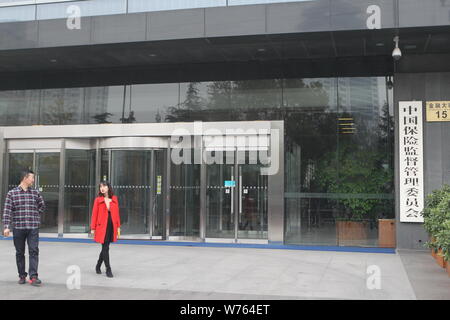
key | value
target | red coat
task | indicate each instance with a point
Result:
(99, 220)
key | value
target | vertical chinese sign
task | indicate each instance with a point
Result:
(411, 161)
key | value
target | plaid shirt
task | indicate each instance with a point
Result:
(23, 209)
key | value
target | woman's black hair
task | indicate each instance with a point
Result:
(110, 191)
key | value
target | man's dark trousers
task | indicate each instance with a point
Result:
(31, 236)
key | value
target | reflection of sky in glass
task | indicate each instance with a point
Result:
(150, 101)
(57, 9)
(362, 97)
(115, 102)
(328, 88)
(10, 14)
(160, 5)
(243, 2)
(88, 8)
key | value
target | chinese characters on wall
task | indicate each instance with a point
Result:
(411, 161)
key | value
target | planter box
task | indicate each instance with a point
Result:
(351, 232)
(440, 259)
(386, 233)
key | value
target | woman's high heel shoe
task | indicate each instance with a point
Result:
(109, 273)
(97, 267)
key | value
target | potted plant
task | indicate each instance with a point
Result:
(354, 221)
(437, 223)
(351, 174)
(443, 241)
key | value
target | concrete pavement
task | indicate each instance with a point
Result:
(174, 272)
(429, 281)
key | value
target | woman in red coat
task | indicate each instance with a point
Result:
(105, 223)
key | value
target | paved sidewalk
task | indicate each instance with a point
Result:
(173, 272)
(429, 281)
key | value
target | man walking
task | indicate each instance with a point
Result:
(24, 206)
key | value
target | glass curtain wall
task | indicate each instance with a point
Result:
(339, 142)
(37, 10)
(19, 107)
(311, 131)
(339, 160)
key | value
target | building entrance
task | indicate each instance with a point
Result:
(159, 196)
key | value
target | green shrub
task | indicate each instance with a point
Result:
(443, 240)
(437, 220)
(354, 172)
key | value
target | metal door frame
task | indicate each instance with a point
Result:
(34, 151)
(275, 192)
(151, 213)
(236, 198)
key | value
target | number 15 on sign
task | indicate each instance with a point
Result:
(438, 111)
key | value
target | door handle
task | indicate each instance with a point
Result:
(240, 194)
(232, 190)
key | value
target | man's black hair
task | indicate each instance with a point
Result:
(24, 174)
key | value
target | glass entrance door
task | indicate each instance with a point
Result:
(79, 190)
(220, 195)
(45, 165)
(137, 178)
(130, 180)
(17, 163)
(253, 204)
(236, 198)
(47, 182)
(185, 200)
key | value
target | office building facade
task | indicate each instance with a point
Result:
(244, 121)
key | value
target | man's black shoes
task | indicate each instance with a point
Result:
(22, 280)
(35, 282)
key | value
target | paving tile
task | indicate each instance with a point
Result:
(169, 272)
